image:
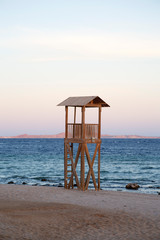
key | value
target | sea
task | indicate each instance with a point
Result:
(41, 162)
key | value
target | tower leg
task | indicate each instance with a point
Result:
(82, 168)
(99, 161)
(65, 165)
(72, 167)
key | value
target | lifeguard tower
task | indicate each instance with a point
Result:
(83, 134)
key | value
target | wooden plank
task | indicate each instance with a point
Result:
(73, 140)
(77, 124)
(93, 105)
(90, 163)
(67, 178)
(73, 166)
(82, 141)
(76, 161)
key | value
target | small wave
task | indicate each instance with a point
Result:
(17, 176)
(148, 168)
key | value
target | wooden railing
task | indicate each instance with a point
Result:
(75, 131)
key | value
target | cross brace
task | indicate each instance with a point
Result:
(73, 165)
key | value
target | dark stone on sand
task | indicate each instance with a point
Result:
(158, 187)
(60, 185)
(158, 193)
(132, 186)
(35, 184)
(11, 182)
(24, 183)
(43, 179)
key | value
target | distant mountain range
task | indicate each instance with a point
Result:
(61, 135)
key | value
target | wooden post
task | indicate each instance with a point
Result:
(99, 149)
(74, 114)
(65, 165)
(99, 124)
(65, 147)
(71, 166)
(82, 151)
(99, 162)
(66, 122)
(74, 122)
(72, 143)
(83, 123)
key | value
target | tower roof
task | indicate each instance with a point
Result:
(87, 101)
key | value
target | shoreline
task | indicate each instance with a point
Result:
(60, 185)
(73, 214)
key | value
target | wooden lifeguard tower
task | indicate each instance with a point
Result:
(82, 134)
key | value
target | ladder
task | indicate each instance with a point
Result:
(68, 168)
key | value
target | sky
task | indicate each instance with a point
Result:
(53, 49)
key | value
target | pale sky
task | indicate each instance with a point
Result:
(50, 50)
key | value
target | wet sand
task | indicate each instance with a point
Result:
(46, 213)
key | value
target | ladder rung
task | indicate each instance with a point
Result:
(69, 171)
(69, 165)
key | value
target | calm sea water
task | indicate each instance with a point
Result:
(122, 161)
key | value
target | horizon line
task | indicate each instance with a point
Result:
(62, 134)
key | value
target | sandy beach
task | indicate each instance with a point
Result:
(38, 212)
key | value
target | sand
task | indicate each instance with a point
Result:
(46, 213)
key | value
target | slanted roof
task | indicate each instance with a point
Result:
(88, 101)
